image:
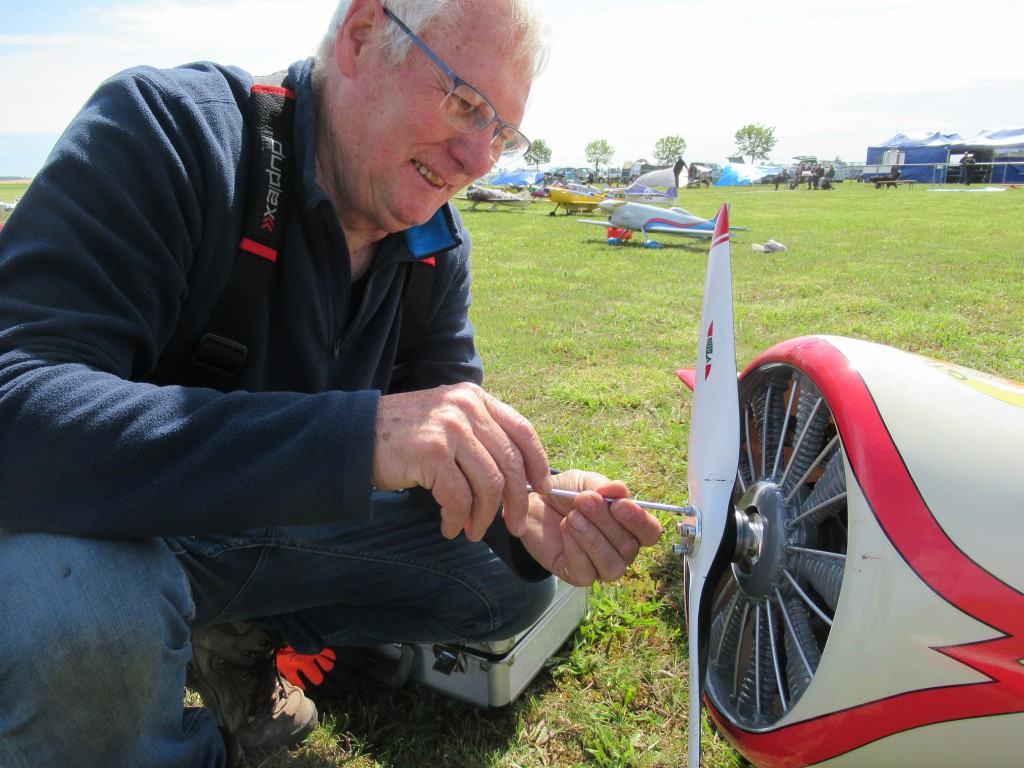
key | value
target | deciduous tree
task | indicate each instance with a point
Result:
(599, 152)
(539, 153)
(755, 140)
(669, 149)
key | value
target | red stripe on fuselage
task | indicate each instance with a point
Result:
(917, 536)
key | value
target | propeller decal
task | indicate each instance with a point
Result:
(916, 535)
(709, 349)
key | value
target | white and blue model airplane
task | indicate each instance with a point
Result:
(660, 187)
(641, 193)
(629, 217)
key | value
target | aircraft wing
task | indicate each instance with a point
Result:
(658, 229)
(697, 231)
(664, 229)
(515, 202)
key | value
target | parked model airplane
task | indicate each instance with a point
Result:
(575, 198)
(854, 590)
(647, 219)
(495, 197)
(641, 193)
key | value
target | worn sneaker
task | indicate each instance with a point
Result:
(234, 669)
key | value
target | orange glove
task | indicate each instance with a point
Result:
(305, 671)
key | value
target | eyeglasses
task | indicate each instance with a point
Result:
(468, 111)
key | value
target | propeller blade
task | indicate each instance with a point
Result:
(713, 457)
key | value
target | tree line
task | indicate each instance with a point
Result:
(753, 140)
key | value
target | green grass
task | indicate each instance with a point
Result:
(10, 189)
(584, 339)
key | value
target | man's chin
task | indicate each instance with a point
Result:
(408, 218)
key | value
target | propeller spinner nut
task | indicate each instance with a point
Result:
(689, 532)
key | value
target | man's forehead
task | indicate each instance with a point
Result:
(481, 50)
(484, 28)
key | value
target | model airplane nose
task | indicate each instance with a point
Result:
(610, 205)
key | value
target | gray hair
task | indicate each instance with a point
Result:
(529, 28)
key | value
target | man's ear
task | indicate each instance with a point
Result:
(363, 27)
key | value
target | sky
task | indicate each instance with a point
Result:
(830, 77)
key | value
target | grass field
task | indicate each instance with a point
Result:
(584, 339)
(11, 190)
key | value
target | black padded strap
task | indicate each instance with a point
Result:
(416, 307)
(415, 314)
(224, 347)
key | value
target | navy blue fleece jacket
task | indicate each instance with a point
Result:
(109, 269)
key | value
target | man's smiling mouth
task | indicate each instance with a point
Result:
(429, 175)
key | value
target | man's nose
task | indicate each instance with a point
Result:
(474, 152)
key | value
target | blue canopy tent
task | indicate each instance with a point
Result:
(926, 157)
(739, 174)
(518, 179)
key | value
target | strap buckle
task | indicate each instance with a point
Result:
(219, 355)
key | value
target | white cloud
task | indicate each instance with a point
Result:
(830, 77)
(57, 72)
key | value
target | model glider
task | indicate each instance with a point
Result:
(650, 219)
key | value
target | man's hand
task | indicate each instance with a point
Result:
(586, 539)
(469, 449)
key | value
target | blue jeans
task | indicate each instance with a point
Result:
(95, 633)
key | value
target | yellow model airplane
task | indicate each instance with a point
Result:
(575, 198)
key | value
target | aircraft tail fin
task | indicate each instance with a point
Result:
(727, 208)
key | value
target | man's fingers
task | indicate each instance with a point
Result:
(452, 523)
(603, 540)
(469, 491)
(485, 487)
(492, 465)
(531, 457)
(593, 553)
(452, 494)
(499, 476)
(636, 522)
(641, 524)
(576, 566)
(598, 513)
(470, 449)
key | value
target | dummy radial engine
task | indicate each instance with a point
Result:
(854, 588)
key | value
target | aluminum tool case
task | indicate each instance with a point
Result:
(493, 674)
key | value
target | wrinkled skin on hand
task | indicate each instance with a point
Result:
(586, 539)
(473, 452)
